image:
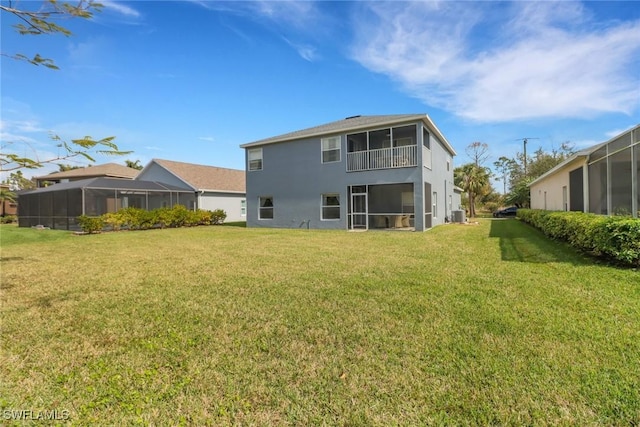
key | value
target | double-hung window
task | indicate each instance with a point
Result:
(330, 206)
(265, 209)
(254, 157)
(331, 149)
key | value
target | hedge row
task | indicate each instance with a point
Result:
(140, 219)
(613, 237)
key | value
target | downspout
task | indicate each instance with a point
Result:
(198, 196)
(83, 202)
(446, 206)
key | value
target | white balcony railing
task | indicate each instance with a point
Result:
(383, 158)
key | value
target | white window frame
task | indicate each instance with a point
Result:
(324, 142)
(323, 206)
(434, 201)
(427, 160)
(263, 208)
(243, 207)
(254, 155)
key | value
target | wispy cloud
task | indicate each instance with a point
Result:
(292, 20)
(544, 59)
(306, 51)
(121, 8)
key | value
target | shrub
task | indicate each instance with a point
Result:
(179, 215)
(163, 217)
(140, 219)
(616, 238)
(8, 219)
(218, 216)
(115, 220)
(91, 224)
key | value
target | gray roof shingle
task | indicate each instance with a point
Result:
(353, 124)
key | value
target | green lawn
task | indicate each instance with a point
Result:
(464, 324)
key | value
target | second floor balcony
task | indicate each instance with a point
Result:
(383, 158)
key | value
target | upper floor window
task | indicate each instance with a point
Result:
(331, 149)
(254, 157)
(425, 139)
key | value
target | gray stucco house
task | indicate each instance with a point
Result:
(363, 172)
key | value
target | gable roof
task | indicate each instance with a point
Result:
(351, 124)
(584, 153)
(112, 170)
(205, 178)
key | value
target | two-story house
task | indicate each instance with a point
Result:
(363, 172)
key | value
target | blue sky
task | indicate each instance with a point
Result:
(192, 80)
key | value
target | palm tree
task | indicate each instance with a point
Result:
(472, 179)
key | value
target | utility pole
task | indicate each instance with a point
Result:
(525, 140)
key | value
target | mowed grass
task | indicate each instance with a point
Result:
(465, 325)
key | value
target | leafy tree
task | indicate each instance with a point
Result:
(64, 168)
(503, 165)
(6, 195)
(17, 182)
(84, 148)
(40, 19)
(537, 165)
(520, 195)
(133, 165)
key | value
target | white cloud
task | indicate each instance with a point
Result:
(121, 8)
(499, 62)
(290, 19)
(306, 52)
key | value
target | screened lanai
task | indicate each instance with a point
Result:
(59, 205)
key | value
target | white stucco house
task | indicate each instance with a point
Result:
(214, 187)
(602, 179)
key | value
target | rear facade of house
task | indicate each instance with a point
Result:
(363, 172)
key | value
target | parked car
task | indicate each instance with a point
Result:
(504, 213)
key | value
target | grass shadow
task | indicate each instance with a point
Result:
(242, 224)
(523, 243)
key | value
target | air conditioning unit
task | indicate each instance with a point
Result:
(458, 216)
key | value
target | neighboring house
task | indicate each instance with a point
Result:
(603, 179)
(7, 207)
(214, 187)
(107, 170)
(363, 172)
(58, 206)
(162, 183)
